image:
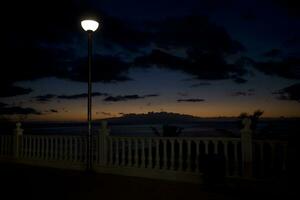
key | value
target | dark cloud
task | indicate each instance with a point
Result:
(162, 59)
(287, 67)
(2, 104)
(104, 113)
(9, 90)
(104, 69)
(273, 53)
(124, 34)
(204, 66)
(191, 100)
(289, 93)
(44, 98)
(81, 96)
(200, 84)
(49, 97)
(16, 110)
(290, 6)
(292, 41)
(248, 15)
(49, 46)
(207, 46)
(53, 111)
(183, 94)
(249, 92)
(128, 97)
(239, 80)
(194, 32)
(50, 49)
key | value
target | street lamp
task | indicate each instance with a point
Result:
(89, 26)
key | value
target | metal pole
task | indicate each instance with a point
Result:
(89, 145)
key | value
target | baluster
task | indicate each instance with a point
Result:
(272, 145)
(61, 150)
(55, 143)
(30, 147)
(99, 150)
(79, 152)
(57, 149)
(71, 143)
(54, 146)
(24, 147)
(9, 144)
(38, 148)
(157, 164)
(5, 145)
(123, 152)
(37, 141)
(50, 148)
(262, 166)
(117, 152)
(172, 155)
(136, 155)
(143, 153)
(82, 149)
(34, 147)
(46, 146)
(215, 143)
(197, 156)
(129, 152)
(165, 163)
(284, 160)
(206, 146)
(75, 157)
(40, 156)
(236, 162)
(150, 165)
(85, 142)
(226, 157)
(180, 167)
(189, 158)
(1, 147)
(42, 147)
(66, 143)
(111, 151)
(50, 152)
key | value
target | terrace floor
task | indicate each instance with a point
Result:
(24, 182)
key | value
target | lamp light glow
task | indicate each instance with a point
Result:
(89, 25)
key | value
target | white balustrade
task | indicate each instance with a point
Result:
(182, 154)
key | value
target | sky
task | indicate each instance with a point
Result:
(202, 58)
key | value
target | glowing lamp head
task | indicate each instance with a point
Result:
(89, 25)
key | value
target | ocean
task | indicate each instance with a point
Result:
(273, 128)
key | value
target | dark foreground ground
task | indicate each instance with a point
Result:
(24, 182)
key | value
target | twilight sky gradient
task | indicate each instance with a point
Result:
(202, 58)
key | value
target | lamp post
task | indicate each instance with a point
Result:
(89, 26)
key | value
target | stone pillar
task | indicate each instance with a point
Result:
(246, 145)
(17, 140)
(103, 151)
